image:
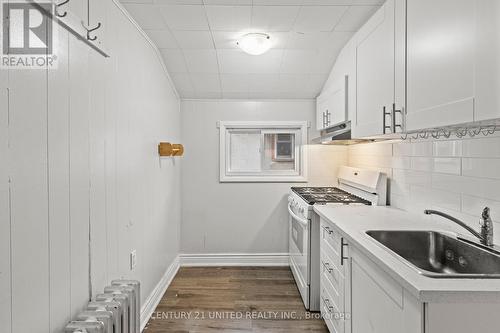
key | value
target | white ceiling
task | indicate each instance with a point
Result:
(197, 39)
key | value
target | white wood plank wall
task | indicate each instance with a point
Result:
(78, 155)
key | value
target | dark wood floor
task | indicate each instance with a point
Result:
(233, 299)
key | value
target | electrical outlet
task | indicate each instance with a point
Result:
(133, 259)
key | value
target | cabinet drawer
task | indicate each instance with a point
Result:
(331, 314)
(332, 280)
(331, 245)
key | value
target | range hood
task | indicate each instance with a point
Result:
(338, 134)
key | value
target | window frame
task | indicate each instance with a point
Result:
(288, 176)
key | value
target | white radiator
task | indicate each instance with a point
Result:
(137, 289)
(117, 310)
(91, 326)
(124, 302)
(105, 317)
(114, 307)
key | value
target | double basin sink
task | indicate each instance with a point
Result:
(439, 255)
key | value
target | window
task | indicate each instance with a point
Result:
(262, 151)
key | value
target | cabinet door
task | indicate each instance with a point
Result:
(440, 63)
(321, 107)
(375, 71)
(487, 56)
(376, 301)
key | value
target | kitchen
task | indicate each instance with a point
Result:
(249, 165)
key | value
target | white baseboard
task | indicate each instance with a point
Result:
(234, 259)
(156, 295)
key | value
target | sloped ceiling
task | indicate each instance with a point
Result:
(197, 39)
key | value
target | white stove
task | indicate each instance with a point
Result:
(356, 187)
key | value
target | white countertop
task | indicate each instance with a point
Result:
(354, 221)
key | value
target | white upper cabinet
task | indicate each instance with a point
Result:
(338, 99)
(331, 105)
(487, 56)
(440, 62)
(377, 65)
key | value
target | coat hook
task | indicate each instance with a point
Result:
(59, 5)
(91, 30)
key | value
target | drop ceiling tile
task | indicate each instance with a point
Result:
(368, 2)
(185, 17)
(163, 39)
(308, 40)
(148, 17)
(324, 61)
(174, 60)
(328, 2)
(233, 83)
(175, 2)
(225, 39)
(318, 18)
(268, 63)
(233, 61)
(206, 82)
(355, 17)
(277, 2)
(138, 1)
(315, 83)
(201, 61)
(262, 83)
(229, 2)
(297, 61)
(229, 18)
(274, 18)
(336, 40)
(292, 82)
(238, 62)
(194, 39)
(182, 82)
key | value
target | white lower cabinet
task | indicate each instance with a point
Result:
(335, 279)
(380, 304)
(357, 296)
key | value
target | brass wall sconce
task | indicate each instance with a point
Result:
(170, 149)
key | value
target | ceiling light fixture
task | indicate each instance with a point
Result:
(255, 43)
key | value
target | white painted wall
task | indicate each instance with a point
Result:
(457, 176)
(240, 217)
(78, 152)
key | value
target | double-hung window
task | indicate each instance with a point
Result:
(263, 151)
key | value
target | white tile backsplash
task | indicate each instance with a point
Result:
(447, 165)
(481, 167)
(459, 177)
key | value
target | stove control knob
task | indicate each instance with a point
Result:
(301, 210)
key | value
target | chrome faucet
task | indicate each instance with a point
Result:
(486, 235)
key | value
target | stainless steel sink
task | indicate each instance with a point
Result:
(439, 255)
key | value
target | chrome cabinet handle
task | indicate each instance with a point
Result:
(327, 304)
(394, 125)
(342, 258)
(385, 114)
(328, 230)
(327, 266)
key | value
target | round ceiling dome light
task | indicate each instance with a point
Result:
(255, 43)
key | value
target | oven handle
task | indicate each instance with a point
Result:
(304, 222)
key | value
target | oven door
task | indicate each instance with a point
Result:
(299, 248)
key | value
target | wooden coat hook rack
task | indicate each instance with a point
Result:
(170, 149)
